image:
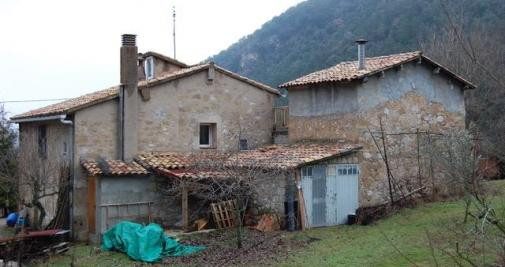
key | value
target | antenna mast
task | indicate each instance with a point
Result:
(173, 15)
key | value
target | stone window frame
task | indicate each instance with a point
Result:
(212, 135)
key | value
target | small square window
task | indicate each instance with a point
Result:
(243, 144)
(207, 135)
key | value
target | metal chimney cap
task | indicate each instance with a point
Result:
(129, 39)
(361, 41)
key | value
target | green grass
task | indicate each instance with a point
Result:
(372, 245)
(400, 240)
(84, 255)
(375, 244)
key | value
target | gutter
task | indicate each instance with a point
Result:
(61, 118)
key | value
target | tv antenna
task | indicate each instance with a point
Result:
(173, 15)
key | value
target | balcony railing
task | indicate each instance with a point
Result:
(281, 115)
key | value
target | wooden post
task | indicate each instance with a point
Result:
(301, 201)
(91, 205)
(185, 213)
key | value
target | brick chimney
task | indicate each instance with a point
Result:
(128, 97)
(361, 53)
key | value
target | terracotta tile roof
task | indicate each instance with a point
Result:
(192, 174)
(348, 70)
(197, 68)
(74, 104)
(113, 168)
(163, 160)
(293, 155)
(70, 105)
(180, 165)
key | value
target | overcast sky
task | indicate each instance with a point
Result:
(60, 48)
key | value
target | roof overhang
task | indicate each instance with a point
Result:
(466, 84)
(60, 117)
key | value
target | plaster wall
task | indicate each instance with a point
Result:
(132, 190)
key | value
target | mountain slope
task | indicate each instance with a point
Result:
(320, 33)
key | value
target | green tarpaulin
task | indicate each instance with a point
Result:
(144, 243)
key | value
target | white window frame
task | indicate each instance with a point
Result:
(149, 68)
(212, 128)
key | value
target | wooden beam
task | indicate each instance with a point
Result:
(301, 201)
(185, 213)
(436, 70)
(91, 205)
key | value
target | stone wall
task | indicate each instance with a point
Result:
(272, 194)
(95, 137)
(48, 168)
(170, 120)
(406, 100)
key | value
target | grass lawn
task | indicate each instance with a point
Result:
(391, 241)
(374, 245)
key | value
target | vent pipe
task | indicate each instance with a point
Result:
(361, 53)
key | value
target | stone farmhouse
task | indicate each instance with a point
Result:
(407, 91)
(117, 141)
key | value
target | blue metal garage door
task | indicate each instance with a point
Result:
(330, 193)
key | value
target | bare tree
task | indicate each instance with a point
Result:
(478, 54)
(40, 183)
(221, 177)
(8, 163)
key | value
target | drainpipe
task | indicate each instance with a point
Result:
(71, 170)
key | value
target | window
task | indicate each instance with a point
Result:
(242, 143)
(307, 171)
(348, 170)
(149, 68)
(207, 135)
(42, 140)
(65, 148)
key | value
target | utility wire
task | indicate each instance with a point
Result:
(33, 100)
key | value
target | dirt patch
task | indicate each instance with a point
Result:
(258, 248)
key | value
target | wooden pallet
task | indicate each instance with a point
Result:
(224, 213)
